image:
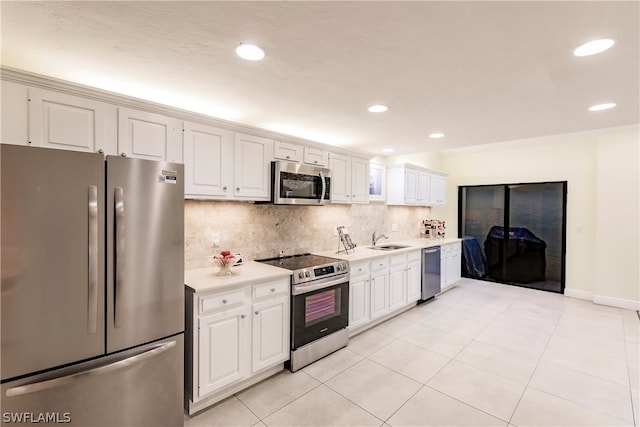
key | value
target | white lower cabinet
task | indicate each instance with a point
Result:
(234, 338)
(359, 308)
(382, 287)
(270, 333)
(450, 264)
(224, 341)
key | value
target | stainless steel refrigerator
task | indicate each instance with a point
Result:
(92, 289)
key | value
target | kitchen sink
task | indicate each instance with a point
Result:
(388, 247)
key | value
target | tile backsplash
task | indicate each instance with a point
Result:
(260, 231)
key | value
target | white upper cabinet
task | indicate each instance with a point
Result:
(412, 185)
(252, 167)
(68, 122)
(349, 179)
(208, 161)
(15, 113)
(287, 151)
(149, 136)
(316, 157)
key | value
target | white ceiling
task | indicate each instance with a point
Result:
(480, 72)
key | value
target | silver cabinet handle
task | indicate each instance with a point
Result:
(324, 186)
(242, 316)
(92, 282)
(224, 301)
(119, 260)
(237, 188)
(224, 188)
(256, 312)
(57, 382)
(273, 289)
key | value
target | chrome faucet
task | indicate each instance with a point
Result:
(374, 238)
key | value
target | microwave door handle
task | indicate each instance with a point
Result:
(324, 187)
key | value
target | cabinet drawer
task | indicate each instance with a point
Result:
(380, 264)
(271, 289)
(397, 260)
(359, 269)
(221, 301)
(414, 256)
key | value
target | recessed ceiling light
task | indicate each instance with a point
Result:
(378, 108)
(387, 150)
(601, 107)
(593, 47)
(250, 52)
(436, 135)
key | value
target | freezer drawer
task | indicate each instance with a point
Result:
(139, 387)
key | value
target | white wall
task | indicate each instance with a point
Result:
(617, 271)
(590, 165)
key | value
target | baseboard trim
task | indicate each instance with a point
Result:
(627, 304)
(578, 293)
(617, 302)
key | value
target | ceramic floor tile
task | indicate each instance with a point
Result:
(488, 392)
(230, 412)
(598, 344)
(507, 364)
(588, 362)
(369, 342)
(467, 325)
(322, 407)
(609, 328)
(443, 342)
(592, 392)
(268, 396)
(539, 409)
(374, 387)
(529, 342)
(410, 360)
(429, 407)
(396, 327)
(332, 364)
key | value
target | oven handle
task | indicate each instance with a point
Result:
(319, 284)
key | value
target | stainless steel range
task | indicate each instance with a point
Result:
(319, 306)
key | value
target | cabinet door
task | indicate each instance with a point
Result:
(410, 186)
(358, 302)
(414, 282)
(252, 167)
(270, 333)
(444, 250)
(287, 151)
(340, 166)
(438, 184)
(316, 157)
(208, 160)
(68, 122)
(379, 294)
(424, 188)
(14, 113)
(397, 288)
(224, 349)
(149, 136)
(359, 180)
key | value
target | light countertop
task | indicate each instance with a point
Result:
(363, 253)
(206, 279)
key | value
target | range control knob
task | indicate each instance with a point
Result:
(306, 274)
(301, 275)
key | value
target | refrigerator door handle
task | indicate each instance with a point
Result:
(93, 260)
(121, 364)
(119, 257)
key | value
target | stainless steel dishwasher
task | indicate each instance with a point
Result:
(430, 272)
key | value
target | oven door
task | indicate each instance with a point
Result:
(319, 308)
(296, 184)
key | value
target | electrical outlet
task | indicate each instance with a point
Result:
(215, 240)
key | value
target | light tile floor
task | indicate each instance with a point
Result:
(481, 354)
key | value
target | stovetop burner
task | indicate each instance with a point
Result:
(307, 267)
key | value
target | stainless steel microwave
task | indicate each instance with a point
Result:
(300, 184)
